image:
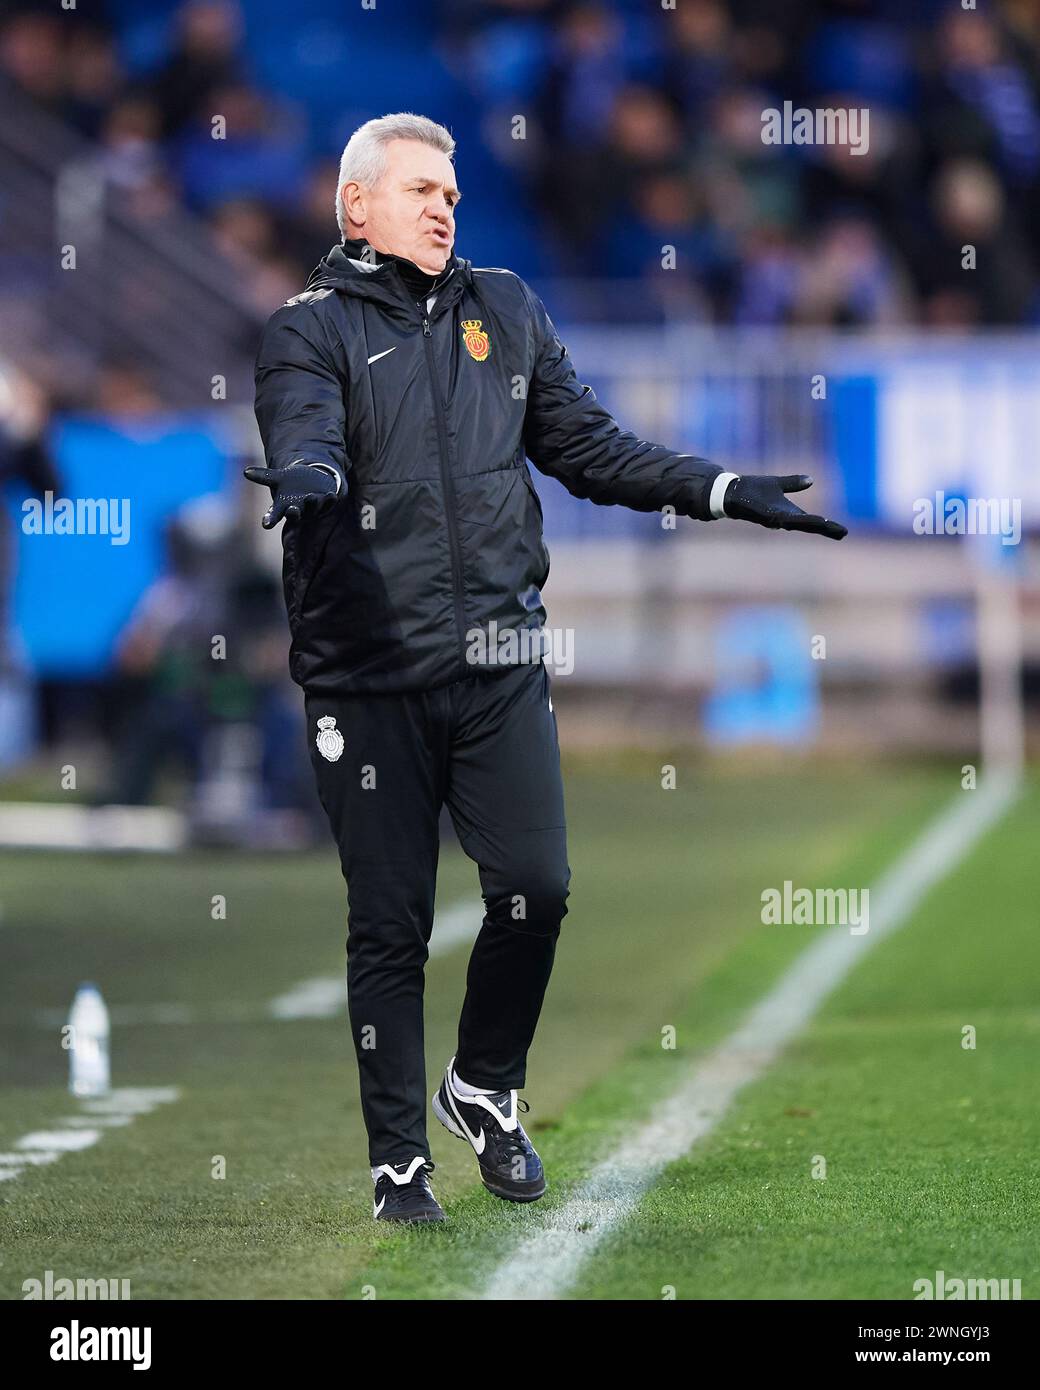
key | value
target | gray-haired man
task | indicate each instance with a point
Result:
(399, 397)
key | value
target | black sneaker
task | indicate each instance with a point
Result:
(403, 1192)
(509, 1166)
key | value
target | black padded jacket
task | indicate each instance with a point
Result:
(428, 417)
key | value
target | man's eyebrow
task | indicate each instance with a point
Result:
(436, 183)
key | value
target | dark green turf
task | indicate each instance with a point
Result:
(932, 1150)
(664, 929)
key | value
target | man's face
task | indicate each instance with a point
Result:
(410, 212)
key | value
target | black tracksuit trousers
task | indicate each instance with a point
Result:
(487, 747)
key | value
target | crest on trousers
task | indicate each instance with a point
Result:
(478, 345)
(329, 740)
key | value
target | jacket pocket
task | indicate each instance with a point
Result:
(304, 553)
(290, 571)
(533, 491)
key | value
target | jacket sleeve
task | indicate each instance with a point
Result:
(300, 394)
(571, 437)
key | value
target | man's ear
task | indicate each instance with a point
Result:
(353, 200)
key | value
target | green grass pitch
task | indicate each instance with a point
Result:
(930, 1149)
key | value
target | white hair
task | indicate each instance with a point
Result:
(364, 158)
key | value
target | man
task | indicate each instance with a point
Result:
(398, 398)
(26, 466)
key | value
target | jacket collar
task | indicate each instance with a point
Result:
(417, 282)
(381, 282)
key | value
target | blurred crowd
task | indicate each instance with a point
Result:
(807, 234)
(641, 129)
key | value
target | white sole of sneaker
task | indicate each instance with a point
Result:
(446, 1120)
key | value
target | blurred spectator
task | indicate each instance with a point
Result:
(93, 81)
(32, 55)
(260, 151)
(769, 279)
(850, 279)
(970, 218)
(700, 65)
(223, 716)
(204, 60)
(302, 227)
(163, 662)
(26, 468)
(125, 391)
(131, 157)
(667, 213)
(989, 96)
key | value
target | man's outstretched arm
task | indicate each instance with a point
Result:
(300, 412)
(571, 437)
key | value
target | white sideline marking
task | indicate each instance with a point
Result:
(120, 1107)
(456, 925)
(102, 1121)
(548, 1261)
(321, 996)
(325, 996)
(131, 1014)
(30, 825)
(64, 1141)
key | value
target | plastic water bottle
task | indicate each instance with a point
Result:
(89, 1070)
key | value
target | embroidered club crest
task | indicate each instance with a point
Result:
(477, 343)
(329, 740)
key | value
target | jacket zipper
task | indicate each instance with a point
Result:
(448, 485)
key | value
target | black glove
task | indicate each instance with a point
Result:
(760, 498)
(293, 487)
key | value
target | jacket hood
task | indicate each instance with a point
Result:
(381, 283)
